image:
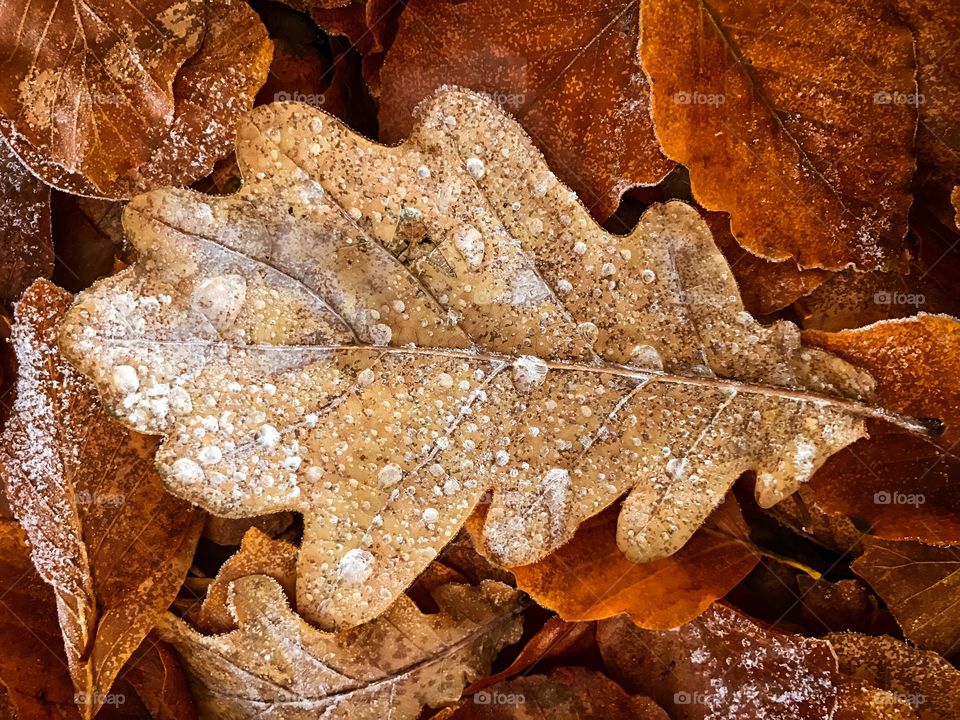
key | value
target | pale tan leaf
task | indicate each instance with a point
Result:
(294, 363)
(113, 544)
(277, 666)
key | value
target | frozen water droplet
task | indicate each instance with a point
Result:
(186, 470)
(389, 475)
(445, 380)
(179, 401)
(125, 379)
(588, 331)
(381, 334)
(580, 247)
(267, 436)
(430, 516)
(648, 276)
(209, 455)
(608, 269)
(220, 299)
(469, 242)
(647, 357)
(475, 167)
(528, 371)
(423, 172)
(316, 125)
(366, 377)
(355, 566)
(502, 457)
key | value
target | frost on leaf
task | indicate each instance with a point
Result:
(275, 665)
(375, 337)
(112, 543)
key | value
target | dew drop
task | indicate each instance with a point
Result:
(389, 475)
(355, 566)
(475, 167)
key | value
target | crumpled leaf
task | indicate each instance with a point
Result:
(104, 533)
(267, 335)
(259, 554)
(277, 666)
(33, 666)
(26, 250)
(919, 678)
(748, 90)
(722, 665)
(920, 584)
(589, 578)
(567, 692)
(222, 54)
(900, 486)
(568, 71)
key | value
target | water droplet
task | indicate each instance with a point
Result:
(647, 357)
(648, 276)
(186, 470)
(430, 516)
(267, 436)
(389, 475)
(469, 242)
(355, 566)
(125, 379)
(210, 454)
(366, 377)
(381, 334)
(475, 167)
(220, 299)
(528, 372)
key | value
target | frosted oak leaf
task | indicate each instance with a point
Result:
(377, 346)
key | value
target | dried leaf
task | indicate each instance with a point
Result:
(801, 513)
(277, 666)
(568, 71)
(214, 85)
(841, 606)
(861, 701)
(589, 578)
(33, 666)
(920, 583)
(267, 335)
(722, 665)
(919, 678)
(230, 531)
(747, 90)
(259, 554)
(154, 672)
(104, 533)
(901, 486)
(26, 251)
(562, 693)
(88, 237)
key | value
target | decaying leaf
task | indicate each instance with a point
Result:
(722, 665)
(920, 584)
(801, 513)
(154, 672)
(26, 250)
(33, 666)
(230, 531)
(104, 533)
(803, 105)
(900, 486)
(275, 665)
(562, 693)
(841, 606)
(919, 678)
(259, 554)
(293, 363)
(862, 701)
(568, 71)
(126, 132)
(589, 578)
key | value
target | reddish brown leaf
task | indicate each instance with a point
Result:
(104, 533)
(589, 578)
(920, 583)
(722, 665)
(230, 531)
(781, 128)
(154, 672)
(568, 71)
(861, 701)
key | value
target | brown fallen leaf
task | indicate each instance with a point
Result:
(567, 70)
(862, 701)
(554, 639)
(811, 123)
(155, 674)
(214, 85)
(918, 678)
(589, 578)
(384, 399)
(230, 531)
(561, 693)
(33, 666)
(276, 665)
(722, 665)
(104, 533)
(88, 238)
(259, 554)
(920, 584)
(26, 250)
(801, 513)
(900, 486)
(841, 606)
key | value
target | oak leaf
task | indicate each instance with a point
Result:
(722, 665)
(26, 252)
(127, 132)
(744, 89)
(920, 584)
(293, 363)
(589, 578)
(103, 532)
(275, 665)
(568, 71)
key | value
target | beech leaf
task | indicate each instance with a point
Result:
(104, 533)
(275, 665)
(26, 252)
(294, 363)
(821, 146)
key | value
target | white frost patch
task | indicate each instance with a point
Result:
(186, 470)
(125, 379)
(220, 299)
(389, 475)
(469, 242)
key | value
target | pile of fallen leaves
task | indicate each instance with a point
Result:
(618, 378)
